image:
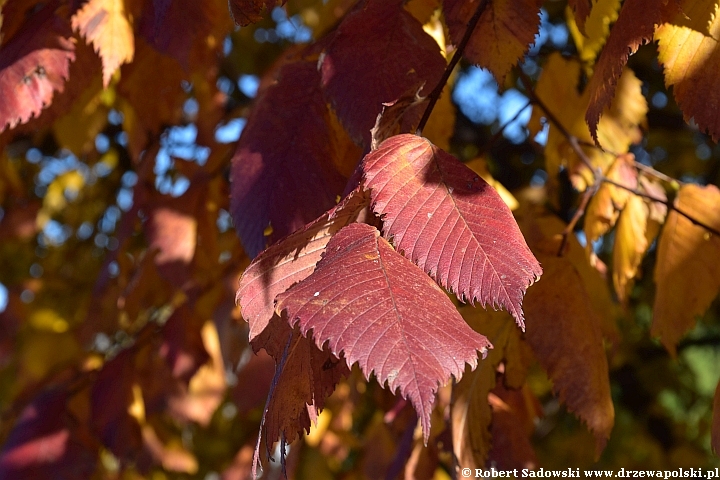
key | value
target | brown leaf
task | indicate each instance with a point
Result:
(470, 412)
(34, 64)
(563, 332)
(513, 416)
(502, 36)
(687, 272)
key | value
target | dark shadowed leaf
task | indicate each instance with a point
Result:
(291, 260)
(505, 31)
(245, 12)
(44, 444)
(377, 54)
(182, 346)
(513, 422)
(111, 396)
(34, 65)
(450, 222)
(286, 151)
(362, 300)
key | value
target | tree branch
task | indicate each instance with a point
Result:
(437, 91)
(597, 173)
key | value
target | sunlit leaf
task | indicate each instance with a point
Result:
(687, 272)
(34, 64)
(290, 261)
(450, 222)
(361, 299)
(502, 36)
(105, 24)
(688, 50)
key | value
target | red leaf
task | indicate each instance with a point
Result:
(33, 65)
(43, 445)
(450, 222)
(377, 54)
(285, 151)
(290, 261)
(182, 346)
(634, 27)
(245, 12)
(111, 396)
(363, 300)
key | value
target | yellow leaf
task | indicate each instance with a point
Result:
(687, 272)
(618, 129)
(630, 244)
(103, 22)
(604, 208)
(688, 49)
(597, 29)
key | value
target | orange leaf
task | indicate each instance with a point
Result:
(687, 272)
(503, 34)
(634, 27)
(104, 23)
(688, 49)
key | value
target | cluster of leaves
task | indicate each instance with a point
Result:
(123, 347)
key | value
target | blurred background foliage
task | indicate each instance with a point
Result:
(71, 250)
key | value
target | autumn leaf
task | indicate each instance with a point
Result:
(514, 413)
(450, 222)
(271, 179)
(44, 443)
(619, 127)
(610, 199)
(634, 27)
(581, 8)
(34, 64)
(563, 332)
(687, 272)
(396, 56)
(304, 377)
(361, 300)
(503, 34)
(688, 51)
(245, 12)
(290, 261)
(470, 411)
(105, 24)
(590, 39)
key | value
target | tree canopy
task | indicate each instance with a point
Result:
(357, 239)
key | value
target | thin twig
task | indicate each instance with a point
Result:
(435, 94)
(499, 133)
(651, 171)
(599, 175)
(667, 203)
(587, 195)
